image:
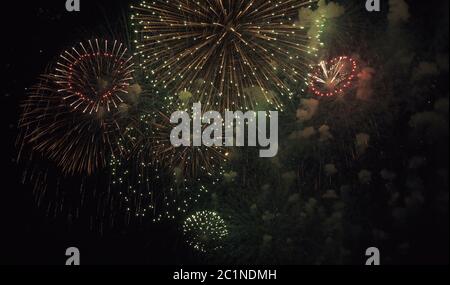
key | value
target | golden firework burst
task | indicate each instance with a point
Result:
(231, 54)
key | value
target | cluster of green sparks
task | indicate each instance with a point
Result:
(205, 231)
(155, 186)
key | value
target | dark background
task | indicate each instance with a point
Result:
(33, 32)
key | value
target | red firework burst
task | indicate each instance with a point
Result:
(93, 75)
(334, 77)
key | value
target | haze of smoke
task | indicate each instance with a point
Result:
(308, 108)
(325, 133)
(365, 88)
(362, 143)
(398, 12)
(425, 69)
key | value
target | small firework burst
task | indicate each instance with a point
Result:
(93, 75)
(205, 231)
(334, 77)
(222, 51)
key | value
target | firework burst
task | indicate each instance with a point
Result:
(222, 51)
(77, 142)
(93, 75)
(205, 231)
(334, 77)
(153, 144)
(67, 117)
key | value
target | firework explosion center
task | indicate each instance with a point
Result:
(208, 129)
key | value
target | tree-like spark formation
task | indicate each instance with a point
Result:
(223, 50)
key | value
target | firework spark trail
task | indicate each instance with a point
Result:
(224, 48)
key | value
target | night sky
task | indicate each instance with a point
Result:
(31, 238)
(35, 32)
